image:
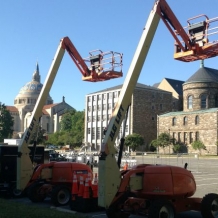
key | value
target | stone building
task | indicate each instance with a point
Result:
(24, 104)
(198, 120)
(146, 103)
(174, 86)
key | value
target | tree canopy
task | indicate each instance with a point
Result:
(163, 141)
(6, 123)
(198, 145)
(72, 130)
(134, 140)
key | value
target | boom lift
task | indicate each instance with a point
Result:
(149, 189)
(102, 66)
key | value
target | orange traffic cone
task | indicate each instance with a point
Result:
(74, 186)
(125, 166)
(90, 179)
(86, 189)
(95, 187)
(81, 187)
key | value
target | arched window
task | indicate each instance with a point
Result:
(174, 121)
(203, 101)
(185, 121)
(197, 120)
(197, 136)
(189, 103)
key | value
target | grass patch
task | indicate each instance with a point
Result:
(10, 209)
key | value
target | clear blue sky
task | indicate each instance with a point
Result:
(30, 32)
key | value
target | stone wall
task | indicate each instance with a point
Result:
(196, 90)
(146, 105)
(205, 130)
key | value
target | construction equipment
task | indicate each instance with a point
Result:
(102, 66)
(8, 169)
(153, 190)
(55, 180)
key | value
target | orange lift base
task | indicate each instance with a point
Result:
(199, 53)
(102, 76)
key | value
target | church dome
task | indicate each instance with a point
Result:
(33, 87)
(29, 93)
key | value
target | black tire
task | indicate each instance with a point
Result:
(115, 210)
(112, 212)
(161, 209)
(61, 195)
(209, 206)
(35, 194)
(14, 192)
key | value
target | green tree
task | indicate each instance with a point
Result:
(78, 120)
(162, 141)
(6, 123)
(72, 130)
(198, 145)
(177, 148)
(134, 140)
(66, 122)
(38, 136)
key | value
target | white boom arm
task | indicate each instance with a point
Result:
(24, 164)
(109, 173)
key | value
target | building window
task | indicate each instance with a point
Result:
(191, 137)
(89, 131)
(174, 138)
(197, 120)
(104, 107)
(197, 136)
(94, 97)
(185, 137)
(115, 94)
(203, 101)
(103, 117)
(104, 96)
(93, 132)
(89, 119)
(216, 101)
(108, 116)
(189, 103)
(174, 121)
(93, 119)
(161, 107)
(152, 107)
(89, 99)
(89, 108)
(152, 118)
(94, 107)
(185, 121)
(99, 97)
(179, 136)
(110, 95)
(99, 107)
(109, 106)
(99, 118)
(126, 129)
(98, 132)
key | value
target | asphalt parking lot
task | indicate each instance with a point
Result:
(204, 170)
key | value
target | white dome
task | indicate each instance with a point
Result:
(31, 90)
